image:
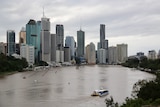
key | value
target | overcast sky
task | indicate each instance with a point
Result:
(134, 22)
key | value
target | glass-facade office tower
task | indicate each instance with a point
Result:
(59, 37)
(80, 43)
(33, 36)
(70, 42)
(11, 45)
(45, 40)
(102, 36)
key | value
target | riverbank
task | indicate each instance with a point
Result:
(148, 70)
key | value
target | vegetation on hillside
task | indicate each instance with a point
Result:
(9, 63)
(41, 63)
(145, 93)
(153, 65)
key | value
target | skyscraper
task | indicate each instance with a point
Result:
(106, 48)
(91, 53)
(80, 43)
(22, 36)
(112, 55)
(59, 37)
(122, 52)
(70, 42)
(101, 54)
(53, 47)
(33, 36)
(102, 36)
(38, 44)
(103, 42)
(27, 52)
(98, 45)
(11, 45)
(45, 40)
(67, 56)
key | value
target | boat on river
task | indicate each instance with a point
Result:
(100, 93)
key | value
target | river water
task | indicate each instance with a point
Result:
(68, 86)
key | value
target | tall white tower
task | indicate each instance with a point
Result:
(45, 39)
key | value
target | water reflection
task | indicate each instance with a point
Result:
(37, 94)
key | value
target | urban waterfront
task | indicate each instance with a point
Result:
(68, 86)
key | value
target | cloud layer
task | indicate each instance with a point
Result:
(127, 21)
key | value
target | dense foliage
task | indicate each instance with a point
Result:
(9, 63)
(41, 63)
(145, 94)
(154, 65)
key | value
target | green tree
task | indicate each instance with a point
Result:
(9, 63)
(110, 102)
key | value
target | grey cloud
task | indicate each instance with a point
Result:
(121, 17)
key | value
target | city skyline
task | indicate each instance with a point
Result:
(135, 23)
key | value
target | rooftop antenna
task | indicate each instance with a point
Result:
(43, 12)
(80, 24)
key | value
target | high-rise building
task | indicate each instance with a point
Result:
(67, 56)
(11, 45)
(106, 48)
(101, 54)
(45, 40)
(38, 46)
(22, 36)
(70, 42)
(59, 56)
(2, 47)
(80, 43)
(152, 54)
(18, 48)
(98, 46)
(103, 43)
(27, 52)
(53, 47)
(33, 36)
(122, 52)
(91, 54)
(59, 37)
(112, 55)
(102, 36)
